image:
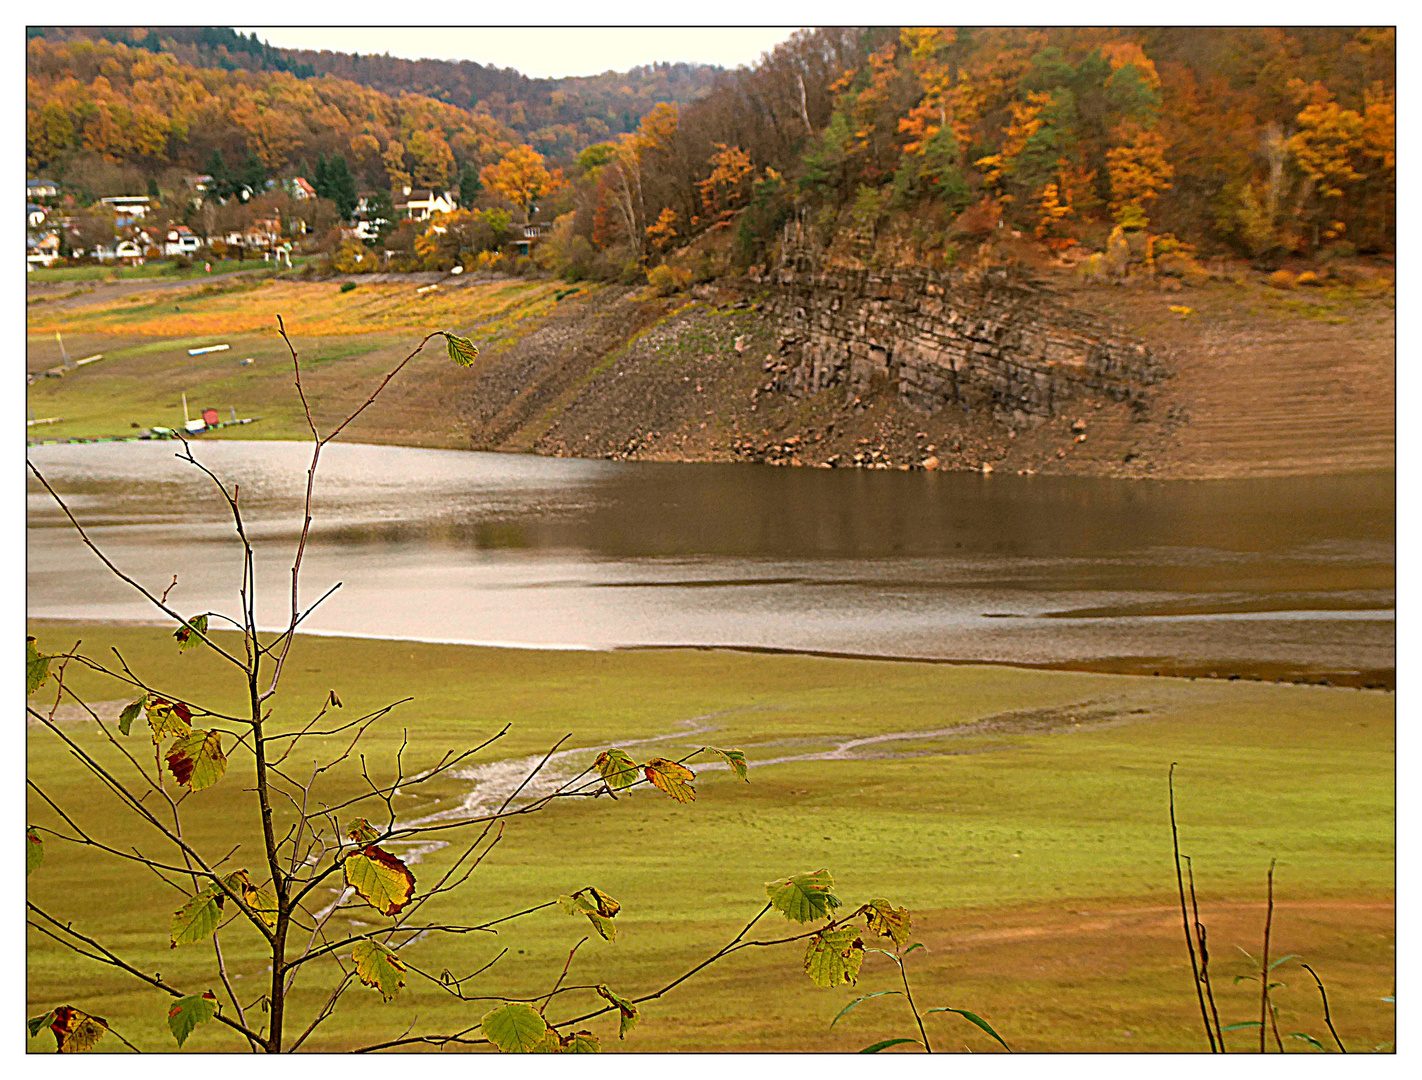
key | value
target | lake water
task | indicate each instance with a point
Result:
(1278, 577)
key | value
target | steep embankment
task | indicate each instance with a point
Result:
(1016, 375)
(1000, 370)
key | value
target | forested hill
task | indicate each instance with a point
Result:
(905, 144)
(557, 117)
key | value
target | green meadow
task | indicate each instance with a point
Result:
(1020, 815)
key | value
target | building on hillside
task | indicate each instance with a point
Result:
(420, 203)
(298, 188)
(43, 250)
(181, 241)
(127, 208)
(41, 189)
(34, 216)
(262, 234)
(129, 253)
(532, 233)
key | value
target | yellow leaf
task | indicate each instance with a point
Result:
(672, 778)
(76, 1031)
(381, 880)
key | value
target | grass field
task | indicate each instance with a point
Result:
(145, 370)
(1033, 848)
(160, 270)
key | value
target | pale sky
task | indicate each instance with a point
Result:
(540, 52)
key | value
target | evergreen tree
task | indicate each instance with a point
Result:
(153, 189)
(382, 210)
(469, 186)
(321, 182)
(254, 173)
(220, 186)
(340, 186)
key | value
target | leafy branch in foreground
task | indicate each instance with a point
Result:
(316, 837)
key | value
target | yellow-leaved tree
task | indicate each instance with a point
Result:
(521, 178)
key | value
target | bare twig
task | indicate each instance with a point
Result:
(1327, 1019)
(1185, 915)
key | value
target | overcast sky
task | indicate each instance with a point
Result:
(541, 51)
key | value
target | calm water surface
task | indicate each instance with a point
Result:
(1275, 576)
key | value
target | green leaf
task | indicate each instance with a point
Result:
(381, 880)
(1241, 1026)
(866, 997)
(197, 919)
(1308, 1039)
(130, 714)
(876, 1047)
(363, 832)
(187, 639)
(516, 1028)
(580, 1042)
(377, 966)
(36, 1024)
(834, 956)
(461, 350)
(672, 777)
(888, 921)
(803, 897)
(617, 770)
(75, 1031)
(916, 945)
(972, 1018)
(168, 718)
(188, 1012)
(625, 1007)
(36, 667)
(34, 850)
(1276, 963)
(197, 759)
(735, 759)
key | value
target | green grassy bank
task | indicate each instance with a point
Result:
(1034, 851)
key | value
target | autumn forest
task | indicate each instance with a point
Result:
(1258, 142)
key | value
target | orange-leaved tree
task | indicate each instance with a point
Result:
(521, 178)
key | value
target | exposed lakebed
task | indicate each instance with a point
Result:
(1280, 578)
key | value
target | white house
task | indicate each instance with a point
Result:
(127, 208)
(42, 252)
(298, 188)
(35, 215)
(41, 189)
(181, 241)
(421, 203)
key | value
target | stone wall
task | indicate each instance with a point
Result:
(995, 340)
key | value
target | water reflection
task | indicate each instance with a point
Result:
(444, 545)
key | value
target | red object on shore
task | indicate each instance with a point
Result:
(209, 417)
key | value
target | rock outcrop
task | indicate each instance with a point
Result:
(994, 340)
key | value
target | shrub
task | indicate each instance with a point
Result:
(1309, 279)
(666, 279)
(1282, 279)
(347, 286)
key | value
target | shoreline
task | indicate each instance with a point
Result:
(1382, 680)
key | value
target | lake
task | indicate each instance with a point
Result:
(1279, 578)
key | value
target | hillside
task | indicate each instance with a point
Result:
(557, 117)
(612, 371)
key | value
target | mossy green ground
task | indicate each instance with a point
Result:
(1035, 854)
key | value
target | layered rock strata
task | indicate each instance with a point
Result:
(996, 341)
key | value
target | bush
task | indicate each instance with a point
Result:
(347, 286)
(1282, 279)
(666, 279)
(1309, 279)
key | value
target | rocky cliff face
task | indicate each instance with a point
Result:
(994, 342)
